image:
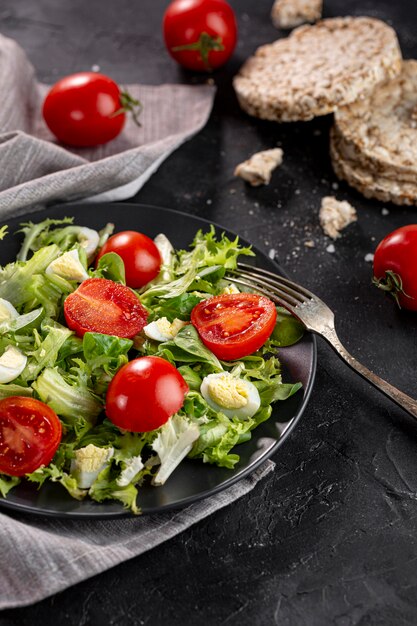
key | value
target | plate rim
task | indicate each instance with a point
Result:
(229, 482)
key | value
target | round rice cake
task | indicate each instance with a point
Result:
(370, 184)
(380, 131)
(318, 68)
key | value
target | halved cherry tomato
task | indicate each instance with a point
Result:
(102, 306)
(140, 256)
(30, 433)
(235, 325)
(395, 263)
(144, 394)
(87, 109)
(200, 34)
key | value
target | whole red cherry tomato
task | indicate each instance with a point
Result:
(144, 394)
(139, 254)
(30, 433)
(235, 325)
(87, 109)
(200, 34)
(395, 264)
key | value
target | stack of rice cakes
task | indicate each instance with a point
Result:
(373, 142)
(351, 66)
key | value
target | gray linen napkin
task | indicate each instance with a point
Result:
(41, 556)
(35, 169)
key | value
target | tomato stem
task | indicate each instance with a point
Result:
(391, 283)
(205, 44)
(129, 104)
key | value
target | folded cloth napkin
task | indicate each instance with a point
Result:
(35, 169)
(41, 556)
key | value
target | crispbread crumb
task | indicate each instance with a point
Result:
(335, 215)
(292, 13)
(258, 168)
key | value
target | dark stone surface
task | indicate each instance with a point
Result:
(330, 538)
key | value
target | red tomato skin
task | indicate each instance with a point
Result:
(100, 305)
(144, 394)
(79, 109)
(398, 252)
(34, 428)
(235, 325)
(185, 20)
(140, 256)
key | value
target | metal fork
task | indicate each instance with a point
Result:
(317, 318)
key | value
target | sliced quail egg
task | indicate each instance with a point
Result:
(12, 364)
(88, 463)
(68, 266)
(7, 311)
(230, 289)
(163, 330)
(235, 397)
(89, 240)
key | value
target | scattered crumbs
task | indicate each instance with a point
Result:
(335, 186)
(385, 211)
(330, 248)
(245, 17)
(222, 153)
(323, 181)
(309, 243)
(297, 192)
(232, 190)
(356, 298)
(272, 253)
(317, 132)
(251, 211)
(256, 205)
(279, 205)
(369, 257)
(210, 81)
(372, 238)
(266, 242)
(209, 201)
(95, 68)
(292, 223)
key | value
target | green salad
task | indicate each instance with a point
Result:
(105, 387)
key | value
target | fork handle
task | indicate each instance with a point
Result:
(399, 397)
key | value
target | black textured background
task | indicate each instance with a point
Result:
(331, 537)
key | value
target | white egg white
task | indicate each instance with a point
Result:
(89, 240)
(220, 389)
(162, 329)
(7, 310)
(12, 364)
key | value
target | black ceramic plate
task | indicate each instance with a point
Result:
(192, 480)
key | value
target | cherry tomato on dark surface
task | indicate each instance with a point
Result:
(100, 305)
(236, 325)
(140, 256)
(30, 433)
(395, 266)
(144, 394)
(200, 34)
(86, 109)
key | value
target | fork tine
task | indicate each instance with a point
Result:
(277, 278)
(265, 280)
(272, 291)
